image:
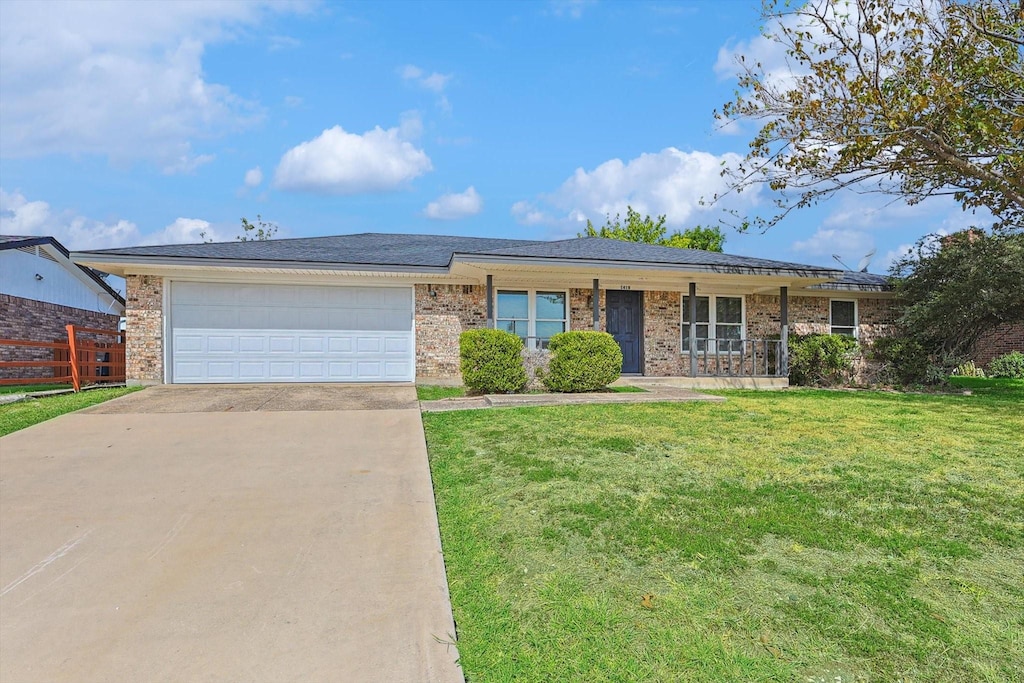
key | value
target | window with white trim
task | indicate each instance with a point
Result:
(534, 315)
(718, 317)
(842, 317)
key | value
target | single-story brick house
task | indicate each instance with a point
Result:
(41, 291)
(387, 307)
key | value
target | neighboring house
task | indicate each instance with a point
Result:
(386, 307)
(41, 291)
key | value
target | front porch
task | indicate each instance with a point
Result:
(698, 331)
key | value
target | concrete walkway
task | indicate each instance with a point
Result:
(224, 539)
(654, 393)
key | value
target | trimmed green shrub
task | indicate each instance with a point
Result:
(821, 359)
(1008, 365)
(491, 361)
(582, 361)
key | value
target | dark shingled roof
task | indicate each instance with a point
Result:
(437, 251)
(366, 248)
(601, 249)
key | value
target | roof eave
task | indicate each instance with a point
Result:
(470, 258)
(100, 260)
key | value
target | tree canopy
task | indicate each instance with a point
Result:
(639, 228)
(913, 98)
(955, 288)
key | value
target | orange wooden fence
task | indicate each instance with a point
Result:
(79, 361)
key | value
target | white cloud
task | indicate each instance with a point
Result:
(849, 245)
(292, 101)
(670, 182)
(342, 163)
(572, 9)
(455, 205)
(184, 231)
(186, 163)
(19, 216)
(124, 80)
(527, 213)
(253, 177)
(434, 82)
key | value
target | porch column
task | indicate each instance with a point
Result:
(597, 306)
(490, 301)
(784, 336)
(693, 329)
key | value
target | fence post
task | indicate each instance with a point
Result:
(76, 379)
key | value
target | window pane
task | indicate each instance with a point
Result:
(728, 331)
(848, 331)
(703, 309)
(550, 306)
(513, 305)
(702, 334)
(843, 314)
(546, 330)
(518, 327)
(729, 309)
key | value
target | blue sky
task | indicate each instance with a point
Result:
(152, 122)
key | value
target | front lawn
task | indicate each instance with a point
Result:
(30, 388)
(785, 536)
(15, 416)
(431, 392)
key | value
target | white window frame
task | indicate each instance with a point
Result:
(684, 327)
(856, 317)
(532, 342)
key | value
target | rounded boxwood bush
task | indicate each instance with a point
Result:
(582, 361)
(491, 361)
(1008, 365)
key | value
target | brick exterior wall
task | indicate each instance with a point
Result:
(144, 311)
(1003, 339)
(40, 321)
(440, 319)
(581, 309)
(810, 315)
(662, 336)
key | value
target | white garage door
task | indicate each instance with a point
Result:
(290, 333)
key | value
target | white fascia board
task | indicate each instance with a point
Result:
(122, 263)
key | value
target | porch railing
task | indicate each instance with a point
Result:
(738, 358)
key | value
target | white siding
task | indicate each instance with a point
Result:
(58, 285)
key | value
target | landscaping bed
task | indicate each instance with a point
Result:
(806, 535)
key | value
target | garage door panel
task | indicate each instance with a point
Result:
(226, 332)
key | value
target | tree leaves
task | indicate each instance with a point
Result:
(908, 97)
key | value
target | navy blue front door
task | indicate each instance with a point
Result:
(623, 322)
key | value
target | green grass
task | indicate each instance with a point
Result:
(427, 392)
(29, 388)
(627, 390)
(15, 416)
(795, 536)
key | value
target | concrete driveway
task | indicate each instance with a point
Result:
(224, 534)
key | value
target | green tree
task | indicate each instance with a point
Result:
(645, 229)
(954, 289)
(259, 232)
(913, 98)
